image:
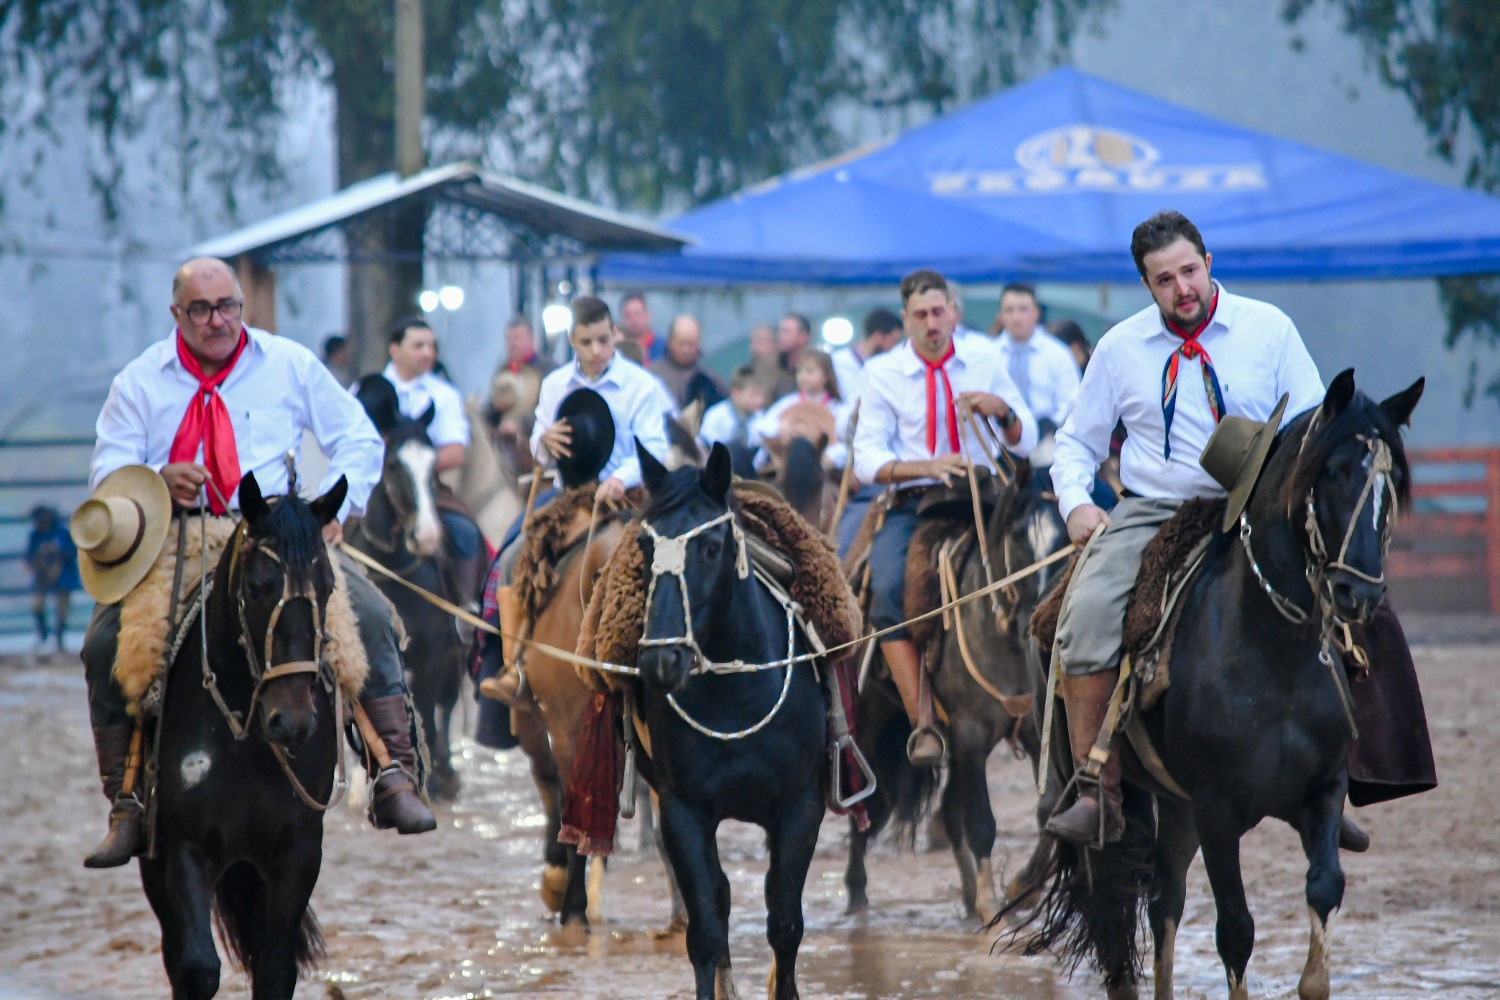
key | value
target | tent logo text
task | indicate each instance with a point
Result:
(1075, 158)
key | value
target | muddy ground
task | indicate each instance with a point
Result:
(456, 913)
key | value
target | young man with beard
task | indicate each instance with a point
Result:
(909, 438)
(1170, 373)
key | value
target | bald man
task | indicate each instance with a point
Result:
(680, 369)
(271, 390)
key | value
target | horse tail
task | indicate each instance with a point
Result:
(802, 477)
(912, 789)
(1093, 901)
(238, 893)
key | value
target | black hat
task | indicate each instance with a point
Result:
(593, 428)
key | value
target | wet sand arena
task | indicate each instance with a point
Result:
(456, 913)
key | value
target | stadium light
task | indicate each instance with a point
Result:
(556, 319)
(451, 297)
(837, 331)
(428, 300)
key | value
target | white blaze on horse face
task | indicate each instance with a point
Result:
(1377, 498)
(418, 459)
(1045, 534)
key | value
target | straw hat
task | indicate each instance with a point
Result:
(807, 419)
(120, 531)
(1235, 453)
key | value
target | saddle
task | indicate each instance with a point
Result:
(553, 534)
(1168, 563)
(147, 637)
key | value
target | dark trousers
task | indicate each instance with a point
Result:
(377, 633)
(542, 499)
(888, 569)
(464, 538)
(854, 515)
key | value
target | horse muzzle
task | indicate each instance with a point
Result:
(1355, 600)
(666, 668)
(289, 729)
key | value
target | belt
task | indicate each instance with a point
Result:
(911, 494)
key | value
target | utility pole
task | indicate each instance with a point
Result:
(410, 72)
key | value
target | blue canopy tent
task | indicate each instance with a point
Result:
(1045, 182)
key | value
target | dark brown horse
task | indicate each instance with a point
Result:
(231, 837)
(979, 676)
(1256, 723)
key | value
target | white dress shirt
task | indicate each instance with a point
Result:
(1257, 355)
(720, 422)
(449, 424)
(637, 401)
(277, 389)
(893, 408)
(1052, 374)
(849, 369)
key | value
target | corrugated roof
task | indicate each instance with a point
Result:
(545, 213)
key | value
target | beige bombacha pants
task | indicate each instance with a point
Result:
(1091, 626)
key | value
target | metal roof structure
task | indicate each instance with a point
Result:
(472, 214)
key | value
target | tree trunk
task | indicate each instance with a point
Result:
(385, 249)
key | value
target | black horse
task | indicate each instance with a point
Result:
(1255, 723)
(231, 837)
(747, 746)
(402, 530)
(1024, 526)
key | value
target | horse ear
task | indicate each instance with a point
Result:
(252, 504)
(1340, 393)
(821, 443)
(326, 507)
(1023, 475)
(1399, 406)
(718, 473)
(653, 473)
(425, 420)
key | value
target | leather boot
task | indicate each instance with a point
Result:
(508, 686)
(1087, 699)
(127, 829)
(925, 748)
(397, 801)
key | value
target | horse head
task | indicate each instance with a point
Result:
(1343, 478)
(409, 480)
(280, 578)
(693, 545)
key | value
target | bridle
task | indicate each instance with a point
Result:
(1333, 627)
(404, 513)
(669, 558)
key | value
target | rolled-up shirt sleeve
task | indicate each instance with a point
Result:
(875, 432)
(346, 435)
(1002, 386)
(1083, 440)
(120, 432)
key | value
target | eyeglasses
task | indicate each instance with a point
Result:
(200, 311)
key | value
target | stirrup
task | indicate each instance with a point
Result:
(911, 742)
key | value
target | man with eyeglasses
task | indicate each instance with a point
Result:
(212, 402)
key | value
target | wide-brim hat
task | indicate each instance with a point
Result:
(593, 437)
(522, 386)
(120, 530)
(1235, 453)
(807, 419)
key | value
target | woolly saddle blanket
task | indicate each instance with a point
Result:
(143, 644)
(555, 532)
(616, 615)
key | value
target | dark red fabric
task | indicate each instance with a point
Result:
(852, 779)
(1393, 755)
(207, 423)
(591, 805)
(934, 369)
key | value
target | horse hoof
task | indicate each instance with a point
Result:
(676, 927)
(554, 885)
(859, 905)
(443, 786)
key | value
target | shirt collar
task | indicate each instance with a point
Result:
(1223, 314)
(610, 373)
(255, 345)
(913, 364)
(400, 383)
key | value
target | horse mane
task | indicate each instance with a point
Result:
(296, 535)
(406, 429)
(677, 489)
(1297, 465)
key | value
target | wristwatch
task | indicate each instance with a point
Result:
(1009, 420)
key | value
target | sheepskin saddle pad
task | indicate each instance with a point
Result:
(1167, 557)
(141, 650)
(616, 614)
(553, 534)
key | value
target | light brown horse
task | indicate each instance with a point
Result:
(548, 734)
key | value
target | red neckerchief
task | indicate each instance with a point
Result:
(1190, 348)
(207, 423)
(516, 366)
(934, 369)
